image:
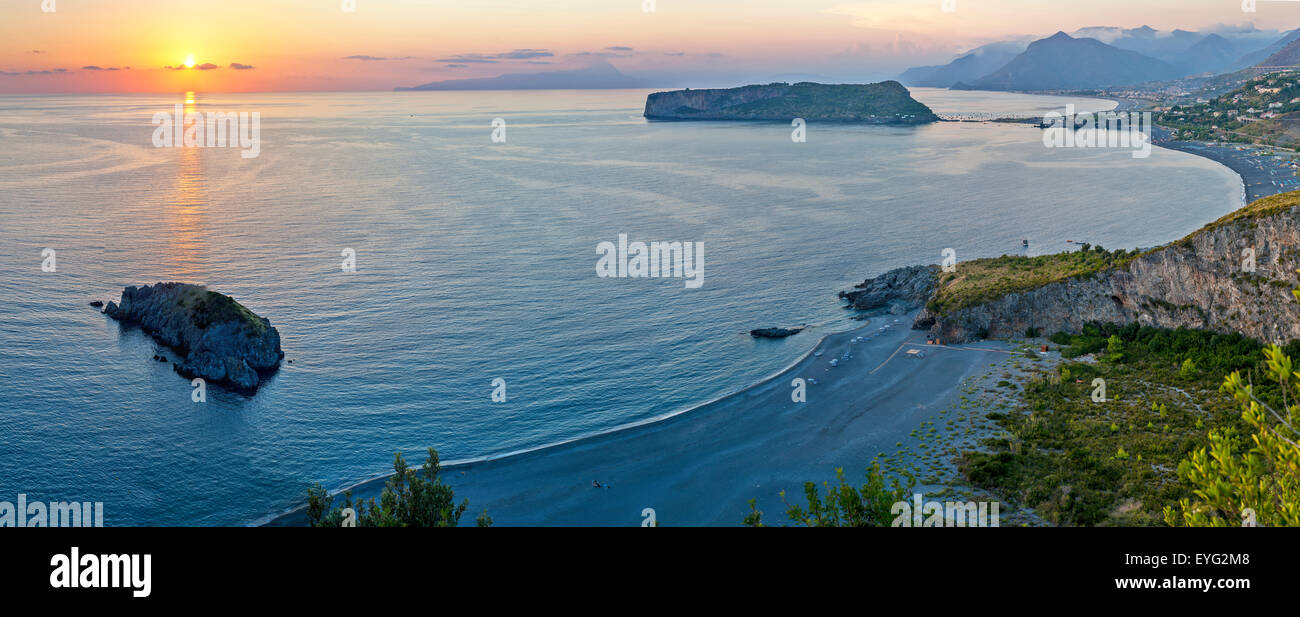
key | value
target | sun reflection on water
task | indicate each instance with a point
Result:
(186, 212)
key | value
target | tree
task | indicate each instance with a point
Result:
(411, 498)
(1115, 348)
(844, 506)
(1260, 485)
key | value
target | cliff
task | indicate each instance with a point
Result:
(219, 339)
(1202, 281)
(886, 102)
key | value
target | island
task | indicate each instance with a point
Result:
(217, 338)
(887, 102)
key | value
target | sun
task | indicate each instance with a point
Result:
(189, 61)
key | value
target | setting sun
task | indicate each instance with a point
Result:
(189, 61)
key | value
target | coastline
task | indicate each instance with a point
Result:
(502, 482)
(702, 467)
(1256, 177)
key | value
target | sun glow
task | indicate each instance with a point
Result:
(189, 61)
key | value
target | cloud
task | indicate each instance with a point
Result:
(41, 72)
(514, 54)
(615, 51)
(365, 58)
(207, 66)
(457, 66)
(241, 67)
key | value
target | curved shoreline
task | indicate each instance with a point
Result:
(375, 483)
(702, 468)
(453, 464)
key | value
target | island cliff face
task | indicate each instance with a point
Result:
(1199, 282)
(219, 339)
(880, 103)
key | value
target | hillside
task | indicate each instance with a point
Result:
(1287, 56)
(880, 103)
(1198, 282)
(1262, 109)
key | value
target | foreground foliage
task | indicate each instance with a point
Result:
(1077, 461)
(844, 505)
(411, 498)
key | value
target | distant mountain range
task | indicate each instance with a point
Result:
(1098, 57)
(1062, 62)
(596, 77)
(977, 63)
(1287, 56)
(1262, 56)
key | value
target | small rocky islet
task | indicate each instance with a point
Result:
(215, 337)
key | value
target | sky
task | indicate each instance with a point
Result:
(320, 45)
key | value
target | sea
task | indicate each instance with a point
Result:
(473, 220)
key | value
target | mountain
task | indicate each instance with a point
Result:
(969, 67)
(600, 76)
(1287, 56)
(1213, 54)
(887, 102)
(1260, 55)
(1062, 62)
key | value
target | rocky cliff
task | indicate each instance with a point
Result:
(900, 290)
(1205, 281)
(218, 339)
(886, 102)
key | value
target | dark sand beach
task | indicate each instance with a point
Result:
(1262, 175)
(702, 466)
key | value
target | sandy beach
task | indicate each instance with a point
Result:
(1261, 176)
(702, 466)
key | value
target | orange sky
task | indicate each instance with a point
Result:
(303, 44)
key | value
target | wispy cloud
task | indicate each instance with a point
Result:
(505, 56)
(241, 67)
(40, 72)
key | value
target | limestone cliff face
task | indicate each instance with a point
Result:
(219, 339)
(1198, 282)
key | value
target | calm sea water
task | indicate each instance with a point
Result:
(475, 260)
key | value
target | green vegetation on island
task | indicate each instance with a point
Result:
(886, 102)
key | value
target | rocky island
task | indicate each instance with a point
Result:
(218, 339)
(887, 102)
